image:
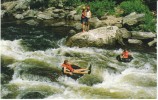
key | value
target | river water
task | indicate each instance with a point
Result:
(35, 54)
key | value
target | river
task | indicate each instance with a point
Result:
(35, 54)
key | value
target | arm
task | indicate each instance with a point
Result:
(66, 71)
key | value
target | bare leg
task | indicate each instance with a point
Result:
(79, 72)
(83, 27)
(81, 69)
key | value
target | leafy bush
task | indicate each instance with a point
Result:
(128, 6)
(99, 8)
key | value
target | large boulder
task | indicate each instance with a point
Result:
(100, 37)
(77, 17)
(133, 18)
(142, 35)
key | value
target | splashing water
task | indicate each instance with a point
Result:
(109, 78)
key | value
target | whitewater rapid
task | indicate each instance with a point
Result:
(109, 78)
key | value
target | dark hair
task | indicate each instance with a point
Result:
(65, 61)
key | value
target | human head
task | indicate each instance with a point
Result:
(88, 7)
(125, 50)
(65, 61)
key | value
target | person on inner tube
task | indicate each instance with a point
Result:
(69, 69)
(125, 54)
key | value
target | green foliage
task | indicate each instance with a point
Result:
(73, 2)
(128, 6)
(99, 8)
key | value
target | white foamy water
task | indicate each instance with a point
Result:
(114, 79)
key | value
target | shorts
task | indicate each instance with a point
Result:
(83, 20)
(75, 67)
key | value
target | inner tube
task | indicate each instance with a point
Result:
(129, 59)
(74, 76)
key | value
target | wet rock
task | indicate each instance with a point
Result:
(3, 13)
(72, 32)
(44, 15)
(30, 13)
(77, 26)
(32, 22)
(133, 18)
(56, 15)
(19, 16)
(142, 35)
(22, 5)
(153, 42)
(58, 10)
(59, 24)
(33, 95)
(135, 41)
(100, 37)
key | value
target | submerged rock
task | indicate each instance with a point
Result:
(32, 22)
(59, 24)
(100, 37)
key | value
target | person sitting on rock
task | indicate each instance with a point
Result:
(70, 69)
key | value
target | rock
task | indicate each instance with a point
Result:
(104, 17)
(112, 20)
(32, 22)
(3, 13)
(72, 32)
(8, 6)
(77, 17)
(73, 12)
(56, 15)
(30, 14)
(135, 41)
(19, 16)
(58, 10)
(77, 26)
(100, 37)
(95, 22)
(142, 35)
(133, 18)
(153, 42)
(60, 5)
(22, 5)
(59, 24)
(44, 15)
(124, 33)
(121, 34)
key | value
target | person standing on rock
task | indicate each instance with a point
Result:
(88, 16)
(83, 19)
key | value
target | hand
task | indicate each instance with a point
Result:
(71, 73)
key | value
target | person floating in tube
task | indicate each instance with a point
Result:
(125, 54)
(73, 69)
